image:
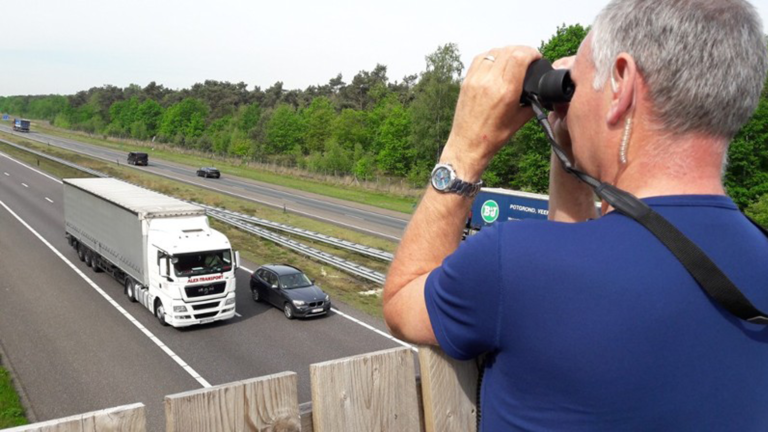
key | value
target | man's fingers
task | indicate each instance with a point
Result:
(518, 60)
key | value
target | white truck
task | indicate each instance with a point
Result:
(160, 249)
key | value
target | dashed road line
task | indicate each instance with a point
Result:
(25, 185)
(49, 200)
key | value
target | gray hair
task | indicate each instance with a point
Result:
(704, 61)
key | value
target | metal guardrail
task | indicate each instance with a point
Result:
(319, 255)
(55, 159)
(333, 241)
(236, 219)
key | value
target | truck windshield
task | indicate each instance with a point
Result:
(296, 280)
(202, 263)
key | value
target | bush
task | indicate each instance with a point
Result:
(758, 211)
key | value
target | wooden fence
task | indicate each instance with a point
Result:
(371, 392)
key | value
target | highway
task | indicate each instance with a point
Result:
(363, 218)
(76, 344)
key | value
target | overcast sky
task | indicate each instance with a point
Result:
(55, 46)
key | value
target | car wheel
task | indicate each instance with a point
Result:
(288, 311)
(255, 294)
(130, 289)
(160, 312)
(81, 252)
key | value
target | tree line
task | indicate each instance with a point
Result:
(366, 127)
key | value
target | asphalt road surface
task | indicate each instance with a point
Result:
(76, 343)
(360, 217)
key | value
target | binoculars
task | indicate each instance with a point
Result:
(546, 85)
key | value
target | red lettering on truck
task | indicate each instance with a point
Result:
(206, 279)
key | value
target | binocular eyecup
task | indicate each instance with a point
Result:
(547, 85)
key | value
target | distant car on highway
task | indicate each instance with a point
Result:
(137, 158)
(289, 289)
(208, 172)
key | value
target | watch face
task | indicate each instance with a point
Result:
(441, 179)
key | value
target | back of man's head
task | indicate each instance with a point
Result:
(704, 61)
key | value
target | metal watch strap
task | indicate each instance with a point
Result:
(466, 189)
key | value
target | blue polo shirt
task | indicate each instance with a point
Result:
(595, 326)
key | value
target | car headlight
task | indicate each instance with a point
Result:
(298, 303)
(180, 308)
(327, 297)
(230, 301)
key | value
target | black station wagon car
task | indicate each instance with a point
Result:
(289, 289)
(208, 172)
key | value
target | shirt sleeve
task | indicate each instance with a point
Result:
(463, 297)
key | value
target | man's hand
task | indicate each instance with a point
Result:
(488, 111)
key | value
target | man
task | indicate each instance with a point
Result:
(595, 325)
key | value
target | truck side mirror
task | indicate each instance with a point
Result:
(237, 260)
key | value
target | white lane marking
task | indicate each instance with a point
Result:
(49, 200)
(7, 174)
(25, 185)
(29, 167)
(368, 326)
(238, 315)
(120, 309)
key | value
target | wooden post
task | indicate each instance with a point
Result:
(449, 389)
(370, 392)
(127, 418)
(269, 403)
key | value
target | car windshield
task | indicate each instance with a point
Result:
(296, 280)
(202, 263)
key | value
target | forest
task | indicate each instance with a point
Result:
(369, 126)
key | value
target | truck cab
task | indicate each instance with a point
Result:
(191, 272)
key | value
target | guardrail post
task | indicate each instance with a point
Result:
(370, 392)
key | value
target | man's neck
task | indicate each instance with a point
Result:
(690, 165)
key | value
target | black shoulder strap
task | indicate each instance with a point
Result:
(711, 279)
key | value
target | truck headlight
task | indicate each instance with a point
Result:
(181, 308)
(229, 301)
(298, 303)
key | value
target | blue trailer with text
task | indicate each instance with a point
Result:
(20, 125)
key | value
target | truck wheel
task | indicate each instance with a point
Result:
(288, 311)
(160, 312)
(130, 288)
(95, 263)
(88, 258)
(81, 252)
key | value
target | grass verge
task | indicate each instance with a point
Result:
(403, 204)
(11, 411)
(339, 285)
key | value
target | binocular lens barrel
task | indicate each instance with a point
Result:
(550, 86)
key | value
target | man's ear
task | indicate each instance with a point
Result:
(623, 86)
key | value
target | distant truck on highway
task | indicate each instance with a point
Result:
(20, 125)
(494, 204)
(161, 249)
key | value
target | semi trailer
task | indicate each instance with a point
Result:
(160, 249)
(20, 125)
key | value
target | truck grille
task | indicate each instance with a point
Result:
(206, 315)
(202, 306)
(205, 290)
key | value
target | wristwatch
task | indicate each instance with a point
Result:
(444, 180)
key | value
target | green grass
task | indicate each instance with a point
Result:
(11, 411)
(403, 204)
(339, 285)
